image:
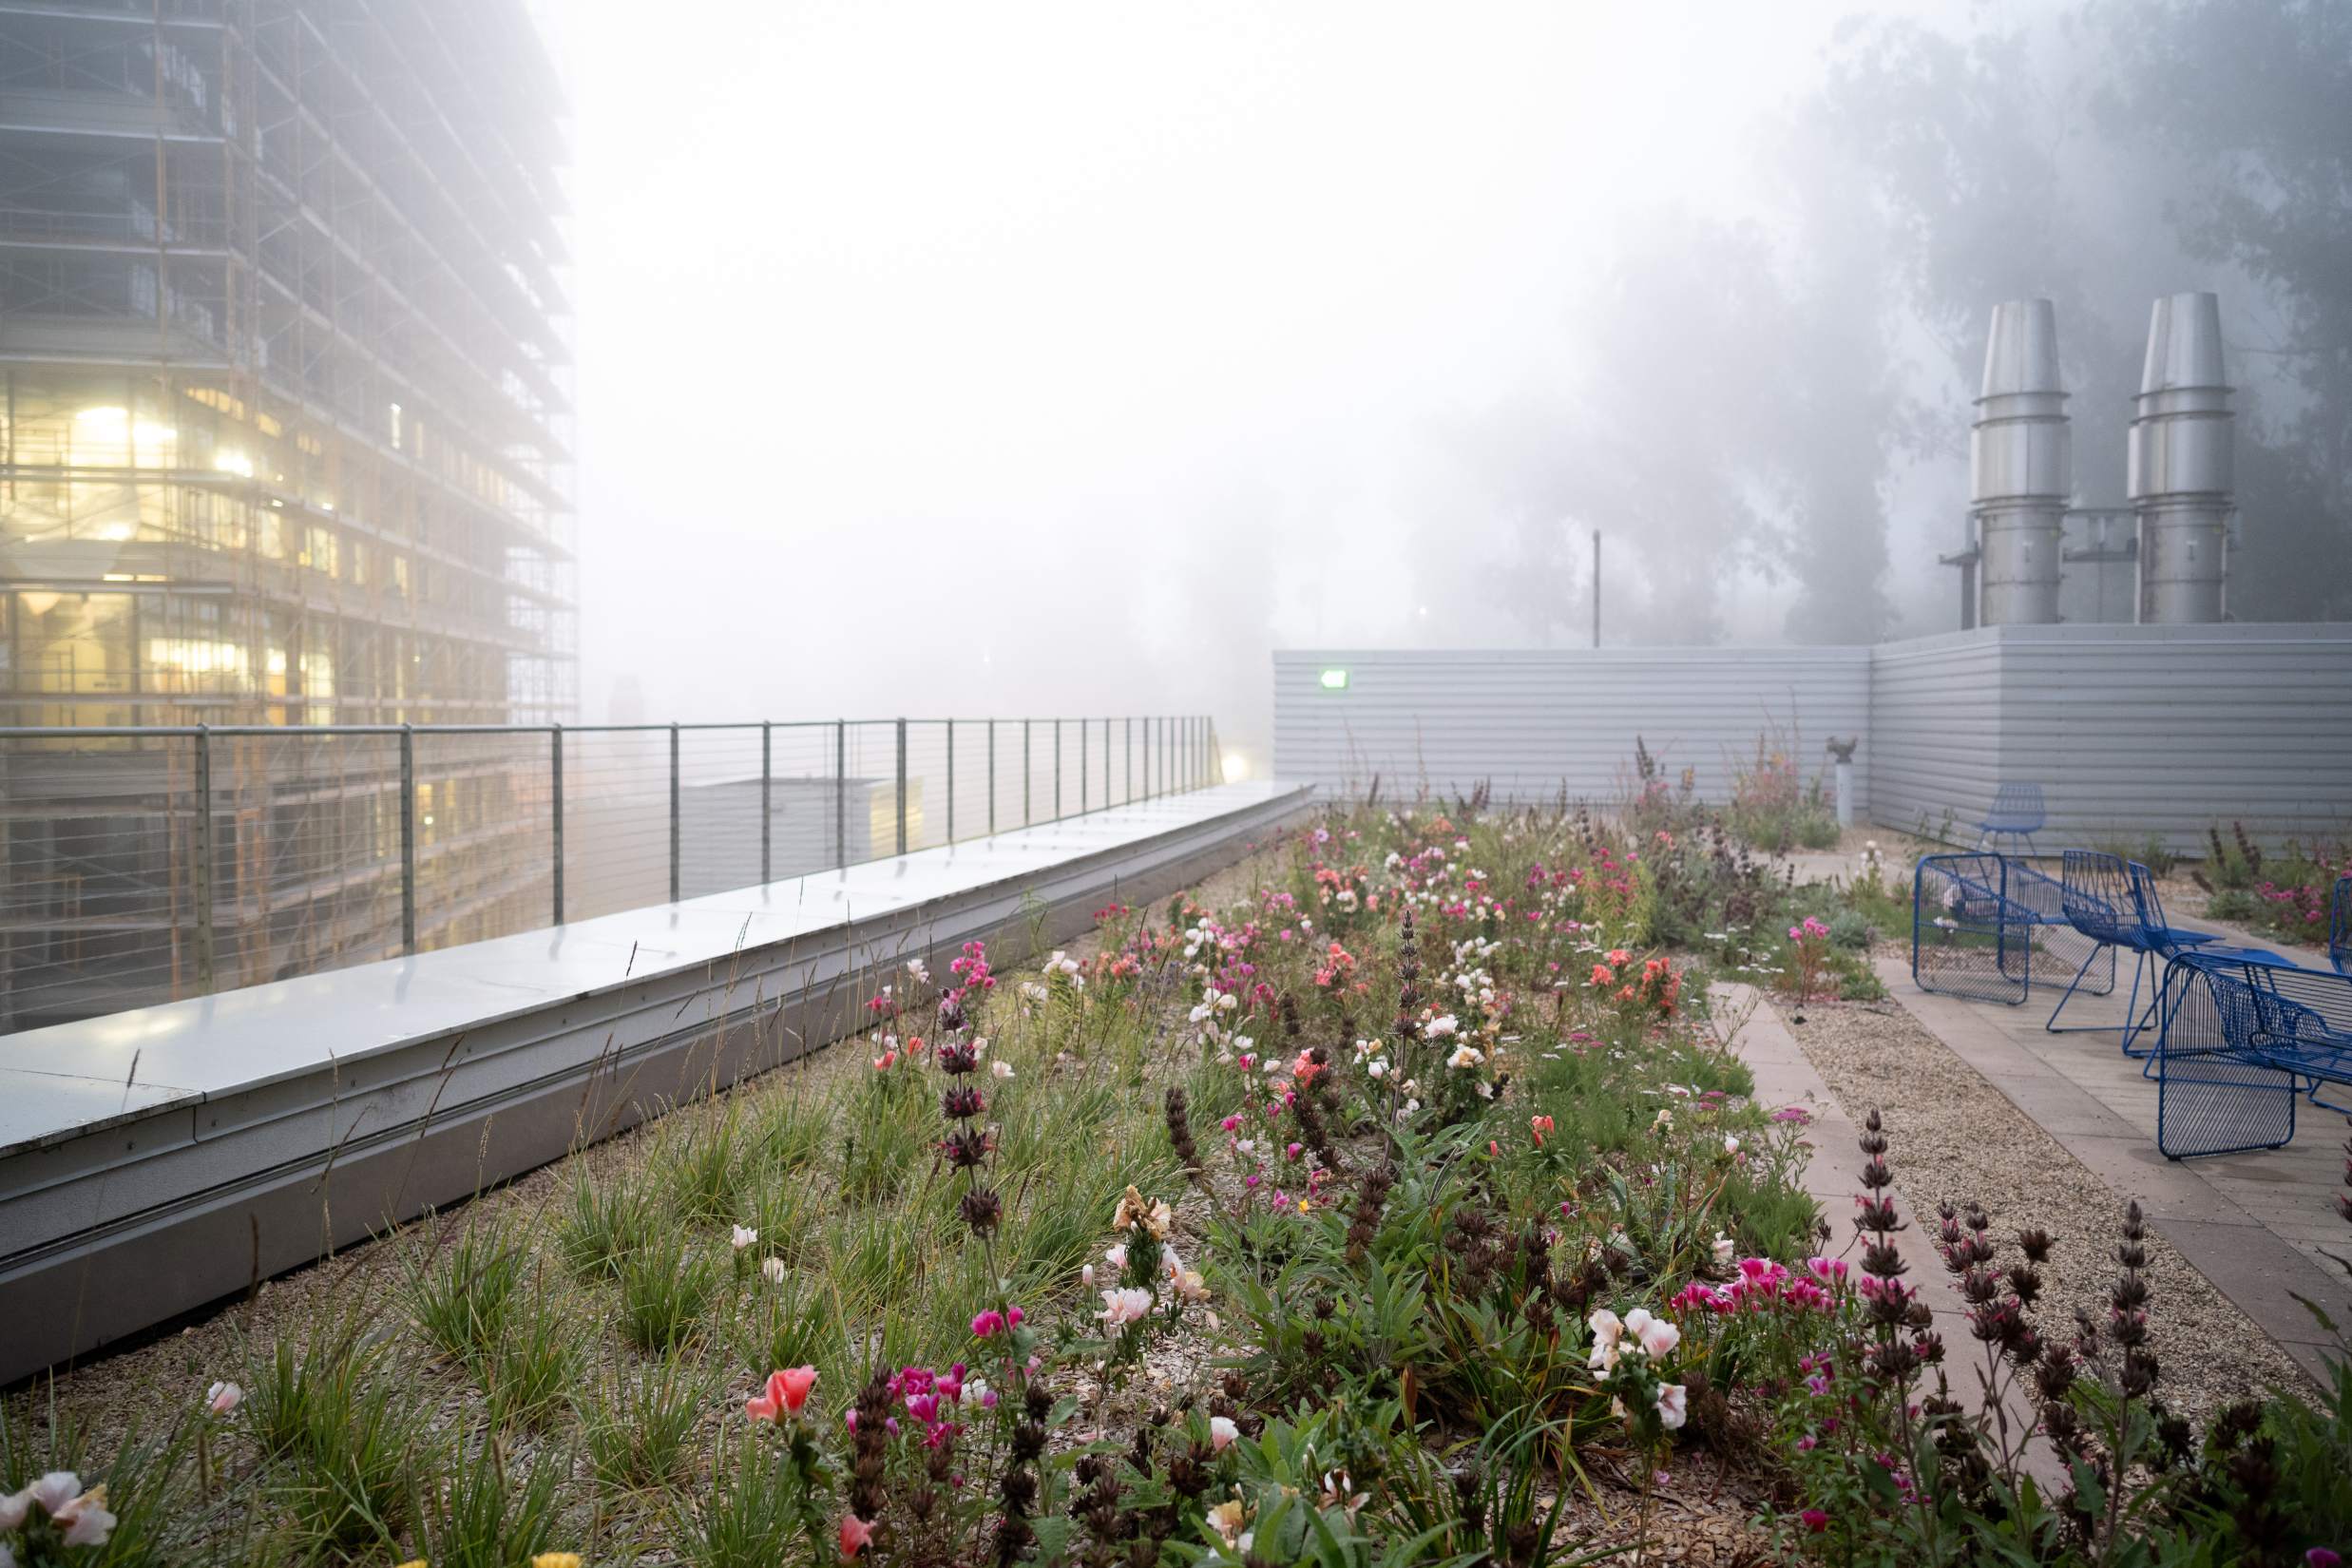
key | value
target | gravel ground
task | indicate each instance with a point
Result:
(1955, 1137)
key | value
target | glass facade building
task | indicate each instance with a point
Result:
(284, 433)
(284, 425)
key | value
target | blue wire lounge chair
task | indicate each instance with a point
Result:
(1968, 938)
(2340, 927)
(2017, 814)
(2240, 1044)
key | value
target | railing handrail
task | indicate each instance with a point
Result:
(161, 732)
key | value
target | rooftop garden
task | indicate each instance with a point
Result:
(1401, 1197)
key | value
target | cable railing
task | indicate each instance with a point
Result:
(144, 864)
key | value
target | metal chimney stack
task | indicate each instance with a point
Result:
(2021, 462)
(2182, 471)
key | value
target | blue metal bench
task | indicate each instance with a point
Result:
(2340, 927)
(1968, 937)
(2017, 814)
(2240, 1046)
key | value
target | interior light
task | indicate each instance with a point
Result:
(38, 602)
(1236, 767)
(235, 463)
(103, 414)
(118, 531)
(1335, 681)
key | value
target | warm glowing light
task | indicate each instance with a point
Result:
(1335, 681)
(1236, 767)
(102, 416)
(235, 463)
(38, 602)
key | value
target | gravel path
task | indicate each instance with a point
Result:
(1955, 1138)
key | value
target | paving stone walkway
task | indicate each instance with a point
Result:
(1784, 1075)
(2260, 1226)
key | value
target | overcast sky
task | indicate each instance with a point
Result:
(999, 358)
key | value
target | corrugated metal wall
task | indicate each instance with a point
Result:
(2129, 729)
(1935, 729)
(1534, 722)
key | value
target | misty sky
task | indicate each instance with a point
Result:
(1004, 358)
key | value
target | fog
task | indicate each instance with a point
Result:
(957, 359)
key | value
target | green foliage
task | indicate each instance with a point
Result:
(666, 1290)
(635, 1420)
(472, 1512)
(604, 1222)
(461, 1292)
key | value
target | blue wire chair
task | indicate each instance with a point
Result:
(2240, 1044)
(2161, 944)
(1968, 938)
(2095, 894)
(2340, 927)
(2017, 814)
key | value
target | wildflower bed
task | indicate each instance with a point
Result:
(1399, 1202)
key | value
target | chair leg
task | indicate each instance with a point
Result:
(2052, 1024)
(2135, 1021)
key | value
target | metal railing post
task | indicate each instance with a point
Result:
(1106, 764)
(1028, 775)
(1081, 765)
(204, 860)
(767, 802)
(1057, 769)
(902, 785)
(841, 793)
(408, 839)
(555, 779)
(951, 782)
(674, 814)
(1147, 759)
(992, 778)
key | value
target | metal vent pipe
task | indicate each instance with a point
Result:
(2022, 467)
(2182, 472)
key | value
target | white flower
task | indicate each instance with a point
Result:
(1221, 1433)
(222, 1398)
(1726, 1249)
(1659, 1337)
(1087, 1275)
(1378, 1069)
(1665, 1120)
(1116, 1256)
(914, 967)
(1464, 1056)
(1607, 1329)
(745, 1236)
(1673, 1406)
(1128, 1304)
(1001, 1067)
(1731, 1144)
(1439, 1027)
(774, 1270)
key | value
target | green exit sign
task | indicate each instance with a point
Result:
(1335, 681)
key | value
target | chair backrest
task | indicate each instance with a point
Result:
(2145, 900)
(2340, 927)
(2095, 892)
(2019, 807)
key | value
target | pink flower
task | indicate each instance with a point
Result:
(1540, 1125)
(988, 1324)
(222, 1398)
(784, 1394)
(1815, 1521)
(855, 1533)
(1673, 1406)
(1126, 1305)
(1221, 1433)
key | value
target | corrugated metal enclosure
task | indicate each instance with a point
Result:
(1532, 723)
(2130, 730)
